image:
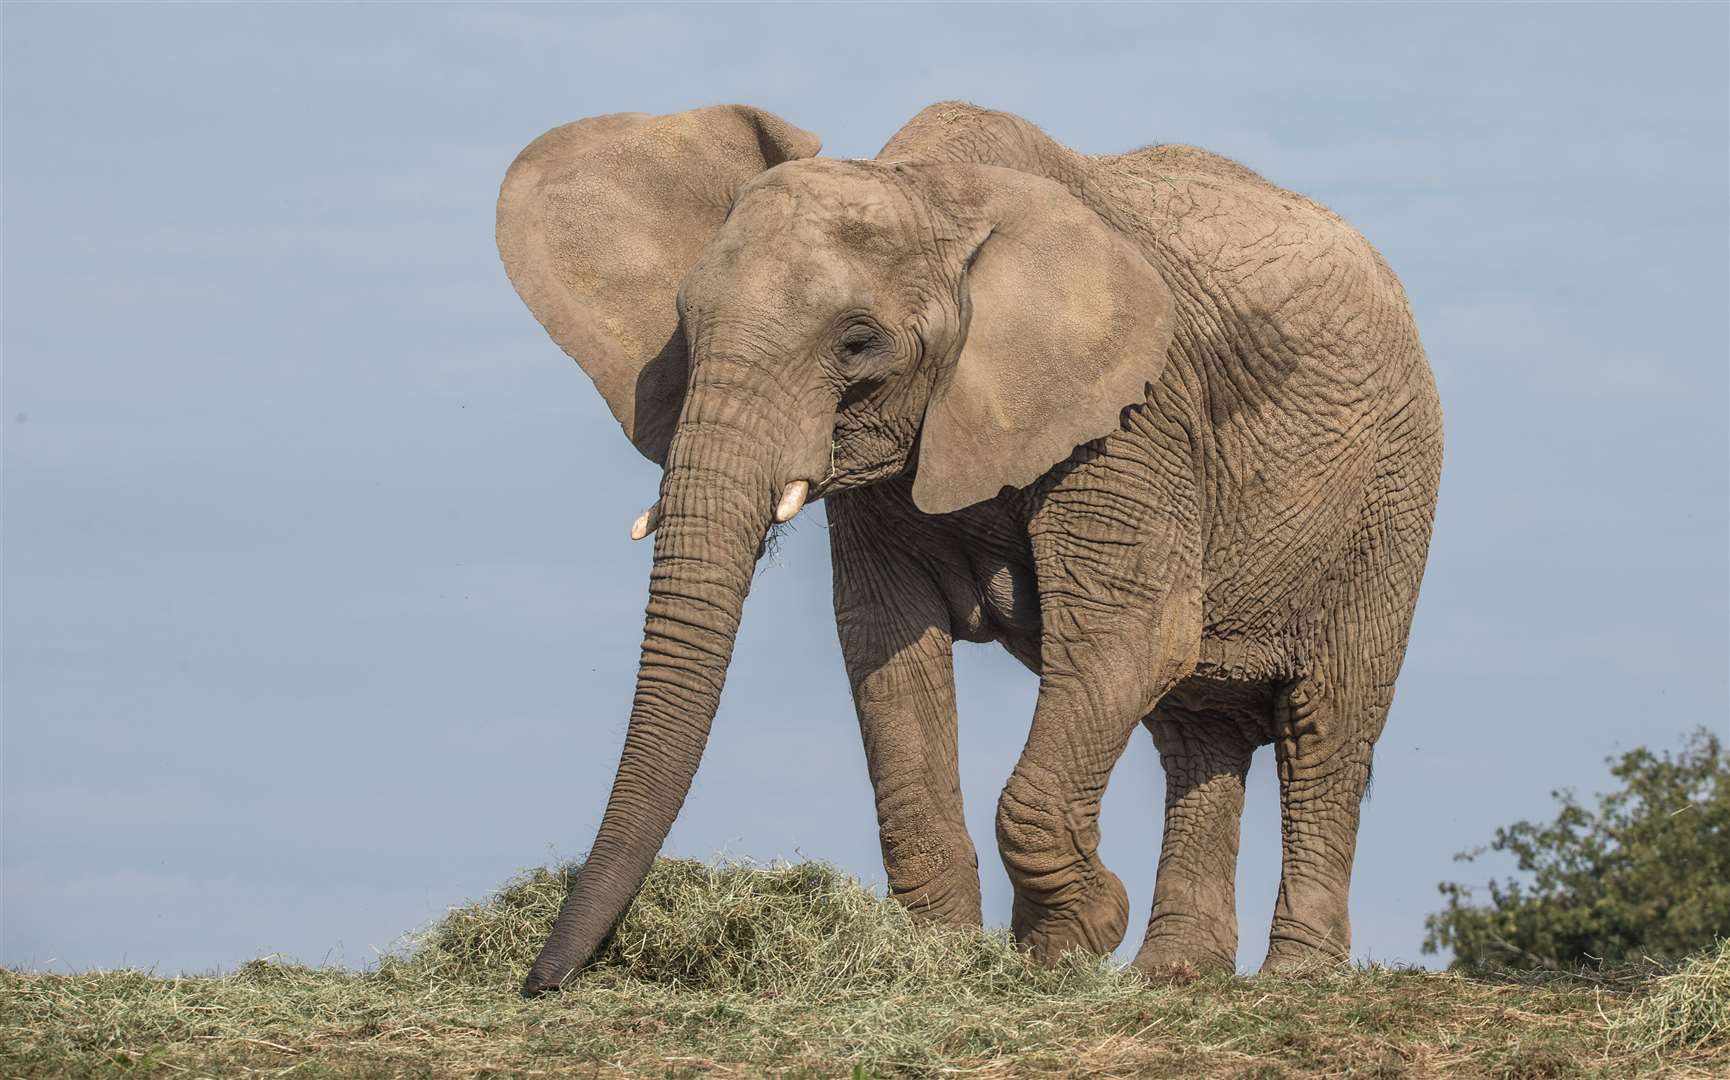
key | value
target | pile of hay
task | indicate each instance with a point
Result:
(1686, 1011)
(804, 930)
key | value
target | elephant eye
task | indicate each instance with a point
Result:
(857, 340)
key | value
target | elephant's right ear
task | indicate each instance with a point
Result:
(598, 223)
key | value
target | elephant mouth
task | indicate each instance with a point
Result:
(861, 457)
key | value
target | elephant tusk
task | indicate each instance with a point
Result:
(792, 500)
(647, 522)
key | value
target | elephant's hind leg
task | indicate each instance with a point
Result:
(1324, 737)
(1206, 733)
(1327, 720)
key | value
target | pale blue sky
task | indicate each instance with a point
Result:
(314, 543)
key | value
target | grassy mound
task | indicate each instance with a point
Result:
(799, 970)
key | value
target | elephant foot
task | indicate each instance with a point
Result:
(1091, 918)
(1173, 962)
(1298, 954)
(934, 876)
(1167, 972)
(1188, 940)
(944, 902)
(1312, 931)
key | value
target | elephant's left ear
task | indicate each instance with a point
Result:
(1067, 325)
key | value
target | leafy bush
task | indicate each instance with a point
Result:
(1644, 876)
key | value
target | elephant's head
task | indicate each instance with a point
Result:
(772, 327)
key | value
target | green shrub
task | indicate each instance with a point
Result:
(1643, 877)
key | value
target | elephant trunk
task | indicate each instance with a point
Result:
(716, 506)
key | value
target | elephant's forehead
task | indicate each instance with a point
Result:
(819, 202)
(776, 268)
(796, 236)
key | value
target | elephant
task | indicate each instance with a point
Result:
(1161, 428)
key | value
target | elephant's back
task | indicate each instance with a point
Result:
(1177, 159)
(1271, 276)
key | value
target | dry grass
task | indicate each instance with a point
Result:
(737, 971)
(1683, 1012)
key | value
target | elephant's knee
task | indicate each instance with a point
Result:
(1049, 846)
(929, 859)
(1030, 833)
(1065, 898)
(935, 876)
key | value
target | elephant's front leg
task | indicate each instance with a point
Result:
(1121, 618)
(907, 717)
(897, 645)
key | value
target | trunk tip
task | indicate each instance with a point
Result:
(539, 984)
(546, 974)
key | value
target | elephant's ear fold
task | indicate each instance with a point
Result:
(598, 222)
(1066, 325)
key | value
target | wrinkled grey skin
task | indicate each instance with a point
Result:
(1162, 429)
